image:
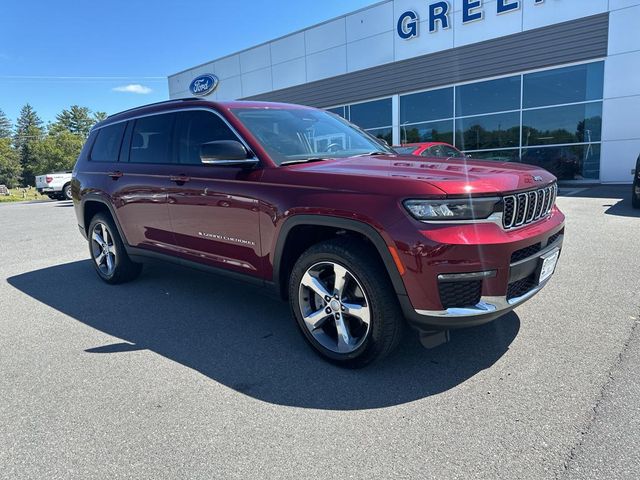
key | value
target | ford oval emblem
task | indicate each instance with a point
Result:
(203, 85)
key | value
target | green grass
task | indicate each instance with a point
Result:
(16, 195)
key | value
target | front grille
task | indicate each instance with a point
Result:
(525, 252)
(527, 207)
(520, 287)
(460, 294)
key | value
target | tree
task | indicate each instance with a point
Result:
(99, 116)
(27, 134)
(77, 120)
(6, 129)
(56, 152)
(10, 168)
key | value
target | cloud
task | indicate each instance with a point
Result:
(133, 88)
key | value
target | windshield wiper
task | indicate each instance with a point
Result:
(304, 160)
(371, 154)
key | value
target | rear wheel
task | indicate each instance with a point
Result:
(344, 303)
(110, 258)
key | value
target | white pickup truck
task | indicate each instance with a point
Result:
(55, 185)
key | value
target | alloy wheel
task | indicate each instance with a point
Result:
(334, 307)
(103, 249)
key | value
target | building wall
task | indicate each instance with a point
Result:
(621, 109)
(364, 40)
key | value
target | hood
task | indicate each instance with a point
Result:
(452, 176)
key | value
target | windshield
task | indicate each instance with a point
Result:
(300, 135)
(405, 150)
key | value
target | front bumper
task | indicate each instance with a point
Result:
(512, 257)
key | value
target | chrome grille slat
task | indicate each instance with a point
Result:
(527, 207)
(509, 206)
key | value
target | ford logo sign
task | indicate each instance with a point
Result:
(203, 85)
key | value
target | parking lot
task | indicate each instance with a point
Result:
(184, 375)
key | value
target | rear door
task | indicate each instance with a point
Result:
(140, 181)
(213, 210)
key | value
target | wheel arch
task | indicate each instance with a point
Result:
(282, 264)
(95, 203)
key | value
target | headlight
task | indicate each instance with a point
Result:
(460, 209)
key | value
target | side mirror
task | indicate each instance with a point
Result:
(225, 152)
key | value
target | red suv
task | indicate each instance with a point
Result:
(430, 149)
(358, 238)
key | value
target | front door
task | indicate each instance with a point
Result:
(213, 214)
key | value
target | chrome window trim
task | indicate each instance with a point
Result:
(186, 109)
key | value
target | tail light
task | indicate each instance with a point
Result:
(49, 179)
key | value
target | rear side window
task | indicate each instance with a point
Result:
(196, 127)
(107, 145)
(151, 139)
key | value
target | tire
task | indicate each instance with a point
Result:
(108, 255)
(635, 197)
(66, 192)
(366, 295)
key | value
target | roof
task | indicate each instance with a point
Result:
(177, 104)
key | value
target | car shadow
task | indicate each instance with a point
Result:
(237, 335)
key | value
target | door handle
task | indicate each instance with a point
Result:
(115, 175)
(180, 179)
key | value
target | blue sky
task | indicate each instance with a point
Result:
(56, 53)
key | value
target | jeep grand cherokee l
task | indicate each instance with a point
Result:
(359, 239)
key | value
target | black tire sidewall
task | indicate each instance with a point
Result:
(66, 193)
(373, 285)
(101, 218)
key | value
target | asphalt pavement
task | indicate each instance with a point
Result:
(185, 375)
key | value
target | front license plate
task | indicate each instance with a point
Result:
(549, 262)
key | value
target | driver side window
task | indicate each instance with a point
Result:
(193, 128)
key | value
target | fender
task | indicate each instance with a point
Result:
(343, 224)
(99, 198)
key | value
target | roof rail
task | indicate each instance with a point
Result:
(164, 102)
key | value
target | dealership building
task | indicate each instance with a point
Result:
(554, 83)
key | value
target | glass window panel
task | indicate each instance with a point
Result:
(486, 97)
(372, 114)
(488, 132)
(195, 128)
(385, 134)
(107, 145)
(152, 139)
(497, 155)
(579, 83)
(338, 111)
(573, 162)
(420, 107)
(441, 131)
(568, 124)
(442, 151)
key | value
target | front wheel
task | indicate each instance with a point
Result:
(344, 303)
(107, 251)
